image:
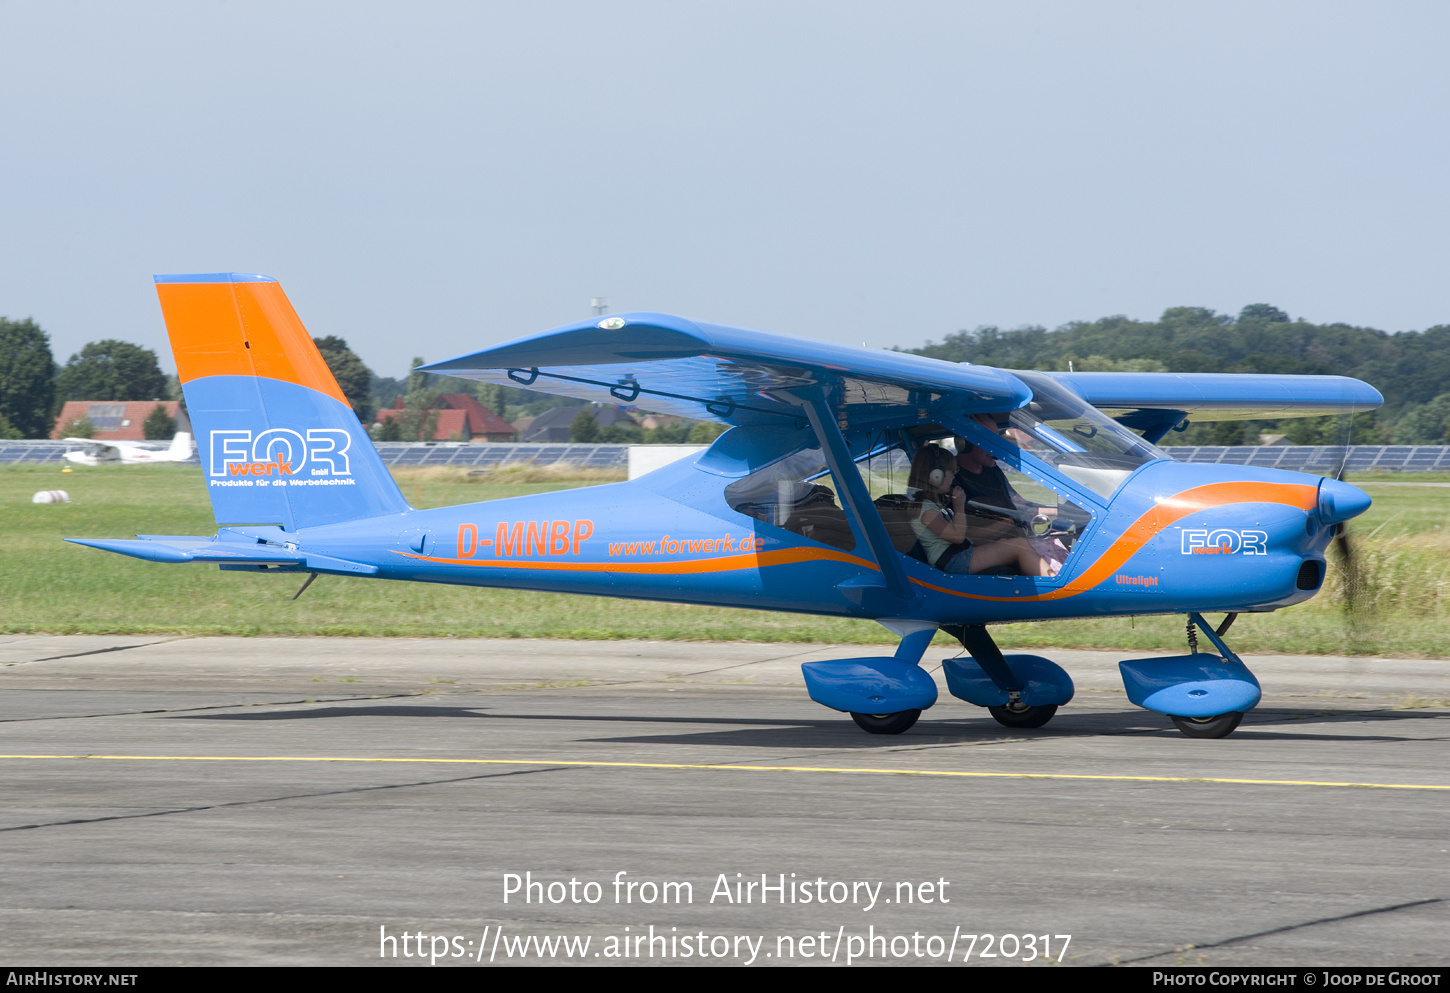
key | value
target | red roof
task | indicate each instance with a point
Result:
(481, 420)
(118, 420)
(462, 418)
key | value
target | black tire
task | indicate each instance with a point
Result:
(1032, 717)
(1219, 726)
(886, 723)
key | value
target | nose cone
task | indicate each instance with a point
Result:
(1339, 501)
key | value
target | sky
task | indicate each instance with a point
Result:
(428, 179)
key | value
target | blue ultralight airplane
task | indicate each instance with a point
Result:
(829, 494)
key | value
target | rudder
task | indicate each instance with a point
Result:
(277, 439)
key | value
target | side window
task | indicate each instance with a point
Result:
(885, 472)
(887, 475)
(797, 494)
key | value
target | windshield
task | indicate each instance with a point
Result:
(1079, 440)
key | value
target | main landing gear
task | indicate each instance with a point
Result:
(1021, 692)
(1024, 716)
(887, 695)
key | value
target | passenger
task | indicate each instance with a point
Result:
(941, 527)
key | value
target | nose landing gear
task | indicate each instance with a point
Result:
(895, 723)
(1204, 695)
(1219, 726)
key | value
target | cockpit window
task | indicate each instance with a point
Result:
(1077, 439)
(1000, 505)
(1012, 524)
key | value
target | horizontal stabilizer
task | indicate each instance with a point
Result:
(181, 548)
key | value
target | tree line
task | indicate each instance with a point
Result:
(34, 388)
(1410, 368)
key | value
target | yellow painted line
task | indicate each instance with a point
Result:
(736, 768)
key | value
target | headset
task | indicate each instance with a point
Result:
(938, 475)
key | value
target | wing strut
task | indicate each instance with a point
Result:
(854, 495)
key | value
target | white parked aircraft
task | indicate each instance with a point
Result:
(126, 453)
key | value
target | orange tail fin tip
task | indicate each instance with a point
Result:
(240, 324)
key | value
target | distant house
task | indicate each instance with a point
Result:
(116, 420)
(461, 418)
(553, 425)
(651, 421)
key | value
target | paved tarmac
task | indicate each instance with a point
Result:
(225, 801)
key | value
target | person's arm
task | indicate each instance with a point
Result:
(954, 530)
(1022, 503)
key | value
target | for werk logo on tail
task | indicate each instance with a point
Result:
(280, 452)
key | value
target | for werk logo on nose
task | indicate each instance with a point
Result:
(1224, 541)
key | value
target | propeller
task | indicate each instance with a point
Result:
(1354, 605)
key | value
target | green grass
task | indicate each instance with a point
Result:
(48, 586)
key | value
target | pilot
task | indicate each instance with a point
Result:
(979, 476)
(941, 526)
(984, 482)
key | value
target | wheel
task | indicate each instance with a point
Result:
(1032, 717)
(1209, 727)
(886, 723)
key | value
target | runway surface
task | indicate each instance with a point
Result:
(238, 801)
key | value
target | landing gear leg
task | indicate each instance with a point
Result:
(984, 650)
(1219, 725)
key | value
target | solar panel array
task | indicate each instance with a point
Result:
(1356, 458)
(1305, 458)
(31, 451)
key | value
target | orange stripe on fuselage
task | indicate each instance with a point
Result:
(723, 563)
(241, 329)
(1138, 534)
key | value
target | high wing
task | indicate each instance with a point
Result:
(1147, 400)
(733, 375)
(92, 452)
(95, 452)
(97, 449)
(677, 366)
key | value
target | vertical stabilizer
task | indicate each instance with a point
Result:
(277, 440)
(180, 448)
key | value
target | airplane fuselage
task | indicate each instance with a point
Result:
(1174, 538)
